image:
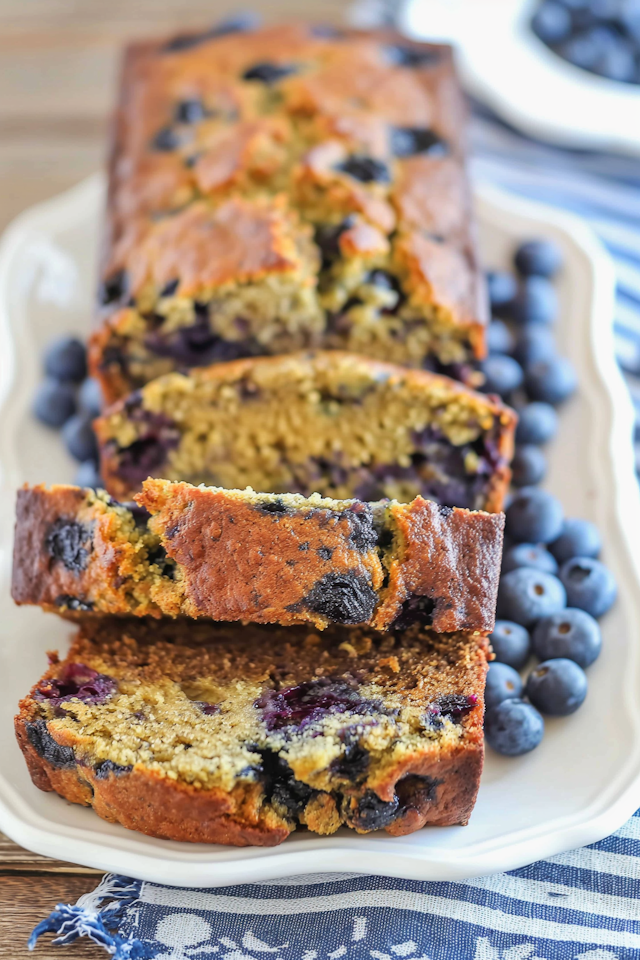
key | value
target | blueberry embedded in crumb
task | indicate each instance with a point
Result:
(272, 506)
(76, 604)
(540, 258)
(208, 709)
(503, 683)
(327, 237)
(372, 813)
(309, 702)
(454, 705)
(70, 542)
(340, 597)
(77, 682)
(166, 140)
(415, 610)
(114, 288)
(191, 110)
(572, 634)
(525, 595)
(364, 168)
(529, 555)
(158, 556)
(529, 466)
(363, 536)
(534, 516)
(589, 584)
(578, 538)
(511, 643)
(557, 687)
(537, 423)
(408, 141)
(513, 728)
(106, 768)
(400, 55)
(353, 764)
(268, 73)
(47, 747)
(66, 359)
(325, 553)
(79, 438)
(170, 288)
(54, 403)
(552, 381)
(281, 786)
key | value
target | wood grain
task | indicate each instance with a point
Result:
(58, 62)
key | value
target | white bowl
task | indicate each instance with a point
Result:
(583, 781)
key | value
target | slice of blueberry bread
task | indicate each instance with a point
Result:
(239, 735)
(238, 555)
(328, 422)
(282, 189)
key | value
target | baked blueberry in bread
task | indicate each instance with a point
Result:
(239, 735)
(276, 190)
(327, 422)
(204, 552)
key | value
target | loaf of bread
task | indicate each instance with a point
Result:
(239, 555)
(329, 422)
(239, 735)
(285, 188)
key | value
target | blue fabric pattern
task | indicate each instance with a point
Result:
(579, 905)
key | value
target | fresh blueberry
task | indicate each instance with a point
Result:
(578, 538)
(537, 423)
(499, 338)
(66, 359)
(529, 466)
(513, 728)
(268, 73)
(88, 475)
(54, 402)
(582, 50)
(525, 595)
(538, 258)
(502, 374)
(572, 634)
(551, 22)
(535, 302)
(589, 584)
(503, 683)
(617, 62)
(557, 687)
(511, 643)
(534, 516)
(502, 288)
(529, 555)
(80, 439)
(552, 381)
(533, 344)
(407, 141)
(90, 397)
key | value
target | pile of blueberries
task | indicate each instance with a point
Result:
(553, 588)
(68, 400)
(601, 36)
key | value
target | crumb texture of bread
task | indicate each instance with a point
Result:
(204, 552)
(328, 422)
(276, 190)
(240, 735)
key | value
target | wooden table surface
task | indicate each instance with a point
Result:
(58, 61)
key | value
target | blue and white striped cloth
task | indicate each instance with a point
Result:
(580, 905)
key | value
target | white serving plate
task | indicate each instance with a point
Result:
(581, 784)
(506, 66)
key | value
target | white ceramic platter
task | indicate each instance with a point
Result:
(505, 65)
(578, 786)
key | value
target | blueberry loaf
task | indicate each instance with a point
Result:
(238, 735)
(239, 555)
(281, 189)
(327, 422)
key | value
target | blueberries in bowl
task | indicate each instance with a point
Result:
(65, 359)
(513, 727)
(502, 288)
(502, 375)
(529, 466)
(88, 475)
(537, 423)
(54, 402)
(534, 516)
(557, 687)
(552, 381)
(579, 538)
(589, 585)
(529, 555)
(503, 683)
(511, 643)
(538, 258)
(534, 344)
(525, 595)
(79, 438)
(571, 634)
(500, 339)
(536, 302)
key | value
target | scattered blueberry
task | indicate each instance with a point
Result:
(90, 397)
(513, 728)
(526, 594)
(571, 634)
(502, 374)
(268, 73)
(54, 402)
(499, 338)
(537, 423)
(88, 475)
(589, 584)
(538, 258)
(529, 555)
(551, 22)
(529, 466)
(79, 438)
(534, 516)
(579, 538)
(502, 288)
(557, 687)
(503, 683)
(533, 344)
(551, 381)
(66, 359)
(535, 302)
(511, 643)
